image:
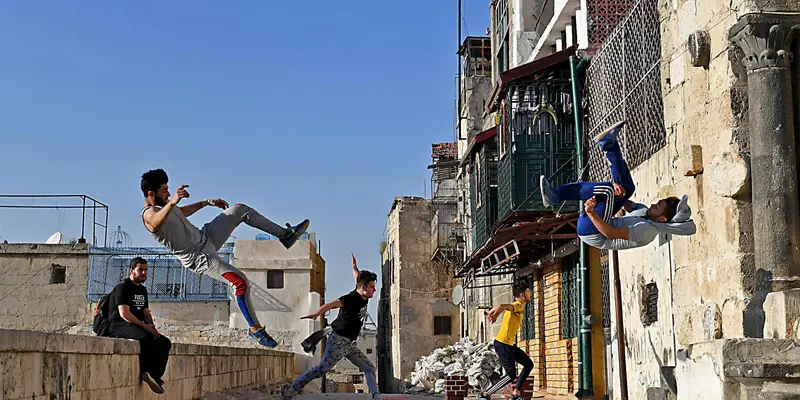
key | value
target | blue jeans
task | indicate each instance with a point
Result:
(607, 204)
(336, 348)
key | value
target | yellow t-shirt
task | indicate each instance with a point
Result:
(511, 323)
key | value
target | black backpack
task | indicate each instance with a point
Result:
(100, 323)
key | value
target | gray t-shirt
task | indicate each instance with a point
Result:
(641, 230)
(180, 236)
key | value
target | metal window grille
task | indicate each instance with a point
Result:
(484, 193)
(649, 314)
(529, 320)
(604, 276)
(167, 279)
(570, 306)
(604, 16)
(624, 82)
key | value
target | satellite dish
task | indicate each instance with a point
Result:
(54, 238)
(458, 295)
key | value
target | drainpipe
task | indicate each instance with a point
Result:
(766, 40)
(585, 337)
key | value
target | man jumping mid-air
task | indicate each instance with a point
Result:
(598, 226)
(341, 342)
(197, 249)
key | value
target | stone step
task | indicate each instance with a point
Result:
(763, 371)
(780, 391)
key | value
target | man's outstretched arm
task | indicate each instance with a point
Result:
(355, 268)
(604, 228)
(322, 310)
(190, 209)
(195, 207)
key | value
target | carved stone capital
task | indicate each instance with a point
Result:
(766, 45)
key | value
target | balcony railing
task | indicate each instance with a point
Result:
(446, 236)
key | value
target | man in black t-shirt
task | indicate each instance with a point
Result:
(341, 342)
(129, 318)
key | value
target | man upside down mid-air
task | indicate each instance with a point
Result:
(598, 226)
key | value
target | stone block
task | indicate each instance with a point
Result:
(692, 160)
(677, 71)
(687, 23)
(782, 310)
(729, 175)
(673, 107)
(733, 318)
(699, 323)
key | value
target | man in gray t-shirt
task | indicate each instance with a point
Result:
(197, 248)
(598, 226)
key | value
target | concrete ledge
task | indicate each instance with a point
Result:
(765, 371)
(43, 249)
(36, 365)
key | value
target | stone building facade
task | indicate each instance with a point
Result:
(712, 315)
(415, 315)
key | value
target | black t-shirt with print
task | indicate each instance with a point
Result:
(130, 294)
(351, 315)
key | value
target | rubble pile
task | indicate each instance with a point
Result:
(478, 362)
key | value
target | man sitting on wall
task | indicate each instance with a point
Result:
(129, 318)
(598, 227)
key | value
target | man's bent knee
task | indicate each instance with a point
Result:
(238, 281)
(238, 210)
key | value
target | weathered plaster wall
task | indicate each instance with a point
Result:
(705, 281)
(27, 298)
(280, 309)
(41, 365)
(214, 313)
(419, 290)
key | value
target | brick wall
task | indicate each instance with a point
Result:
(555, 359)
(455, 387)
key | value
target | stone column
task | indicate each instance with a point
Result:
(766, 41)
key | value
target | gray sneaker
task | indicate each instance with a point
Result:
(548, 197)
(289, 393)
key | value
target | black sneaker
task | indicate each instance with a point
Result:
(154, 385)
(293, 233)
(308, 348)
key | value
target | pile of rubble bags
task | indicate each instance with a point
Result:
(478, 362)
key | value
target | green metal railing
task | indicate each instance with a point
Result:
(536, 137)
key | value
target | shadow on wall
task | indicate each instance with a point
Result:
(754, 316)
(267, 302)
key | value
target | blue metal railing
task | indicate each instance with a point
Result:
(167, 279)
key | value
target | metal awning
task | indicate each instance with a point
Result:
(556, 229)
(474, 145)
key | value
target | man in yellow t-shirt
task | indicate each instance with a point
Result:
(505, 341)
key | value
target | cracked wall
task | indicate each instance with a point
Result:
(705, 281)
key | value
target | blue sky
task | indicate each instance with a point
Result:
(320, 110)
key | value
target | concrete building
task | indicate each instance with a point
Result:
(415, 315)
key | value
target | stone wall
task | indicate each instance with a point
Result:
(44, 286)
(705, 282)
(420, 290)
(53, 365)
